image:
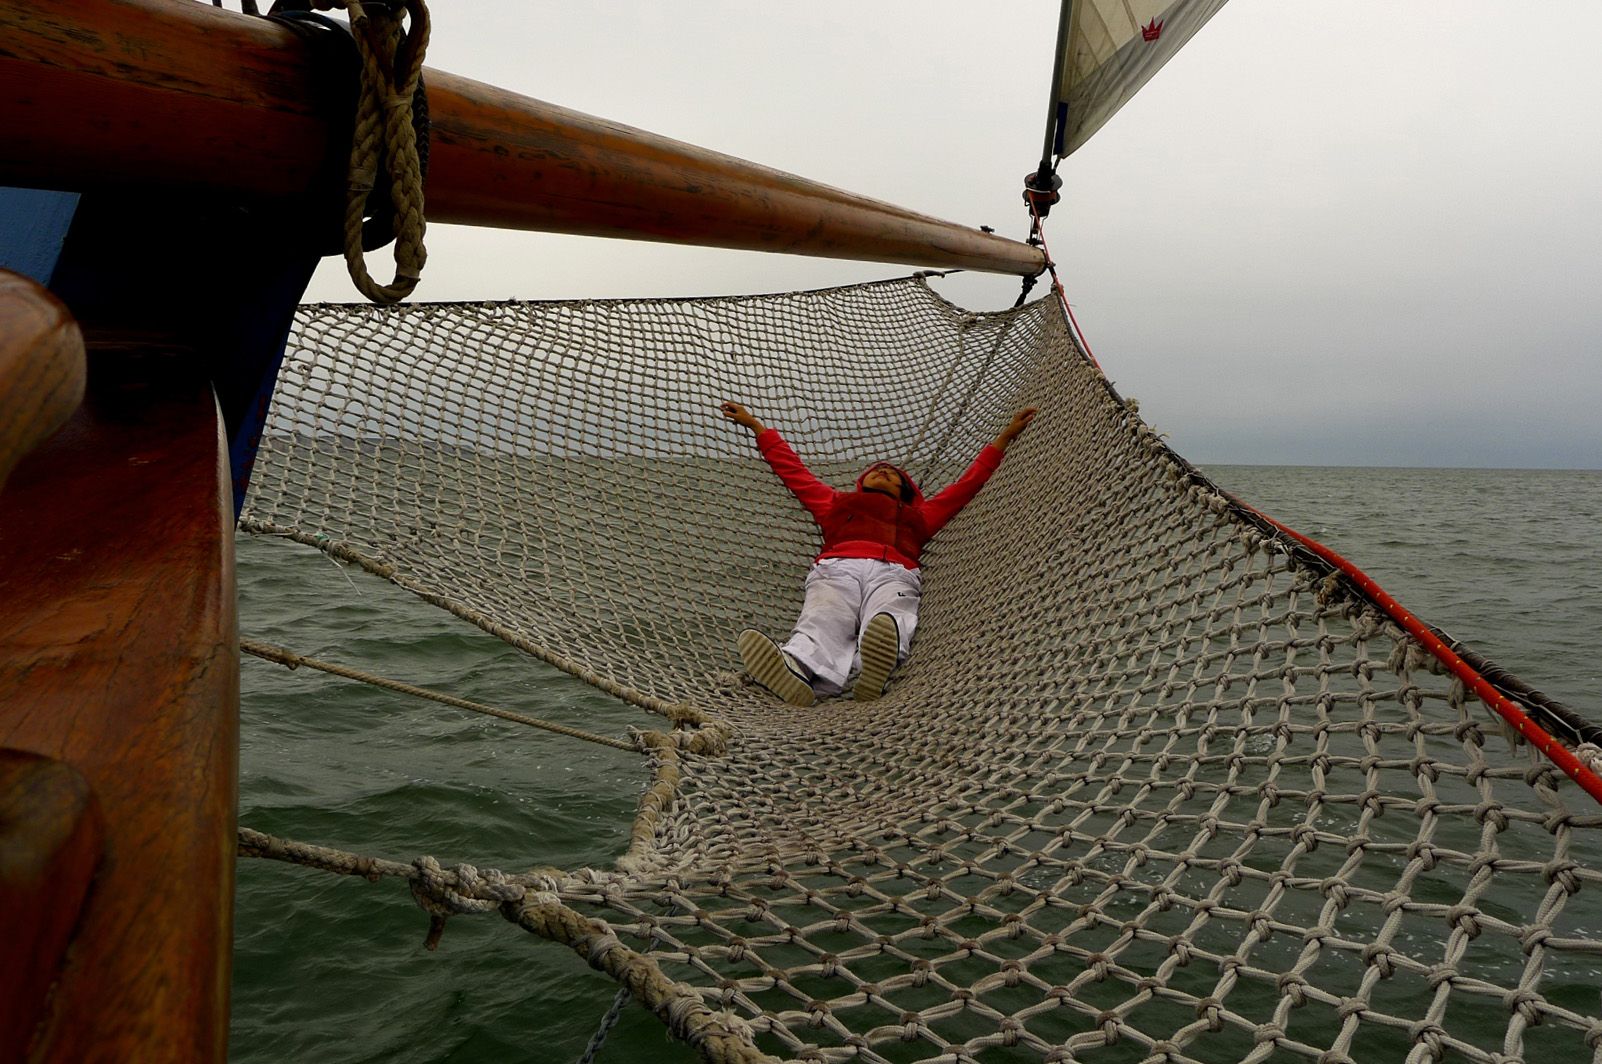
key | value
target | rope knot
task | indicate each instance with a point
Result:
(1564, 873)
(1350, 1007)
(1590, 756)
(1532, 937)
(1440, 973)
(1428, 1035)
(1423, 853)
(1424, 768)
(1465, 919)
(1491, 811)
(1540, 776)
(1526, 1002)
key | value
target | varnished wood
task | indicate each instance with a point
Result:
(182, 95)
(50, 836)
(41, 367)
(118, 656)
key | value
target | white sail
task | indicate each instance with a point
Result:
(1113, 48)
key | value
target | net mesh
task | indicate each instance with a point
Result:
(1151, 787)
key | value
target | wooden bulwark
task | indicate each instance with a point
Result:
(119, 665)
(183, 95)
(50, 845)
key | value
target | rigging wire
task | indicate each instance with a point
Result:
(1038, 233)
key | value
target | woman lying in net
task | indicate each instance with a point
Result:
(862, 593)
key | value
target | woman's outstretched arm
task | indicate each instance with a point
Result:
(813, 493)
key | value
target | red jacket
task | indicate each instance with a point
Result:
(871, 524)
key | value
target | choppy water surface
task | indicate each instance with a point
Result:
(332, 969)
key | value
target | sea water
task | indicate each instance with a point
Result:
(332, 968)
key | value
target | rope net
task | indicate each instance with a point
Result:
(1154, 784)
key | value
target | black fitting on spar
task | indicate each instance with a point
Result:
(1028, 286)
(1042, 189)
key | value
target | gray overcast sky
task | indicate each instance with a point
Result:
(1354, 232)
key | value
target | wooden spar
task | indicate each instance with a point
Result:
(154, 93)
(120, 668)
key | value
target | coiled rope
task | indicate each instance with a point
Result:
(384, 137)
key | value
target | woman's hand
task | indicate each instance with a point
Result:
(1016, 426)
(741, 416)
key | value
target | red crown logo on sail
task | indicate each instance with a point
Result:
(1151, 30)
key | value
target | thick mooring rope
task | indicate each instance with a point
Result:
(530, 901)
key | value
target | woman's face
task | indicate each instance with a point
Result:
(882, 478)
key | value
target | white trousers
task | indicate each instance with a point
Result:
(842, 595)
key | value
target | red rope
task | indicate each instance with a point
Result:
(1056, 285)
(1509, 710)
